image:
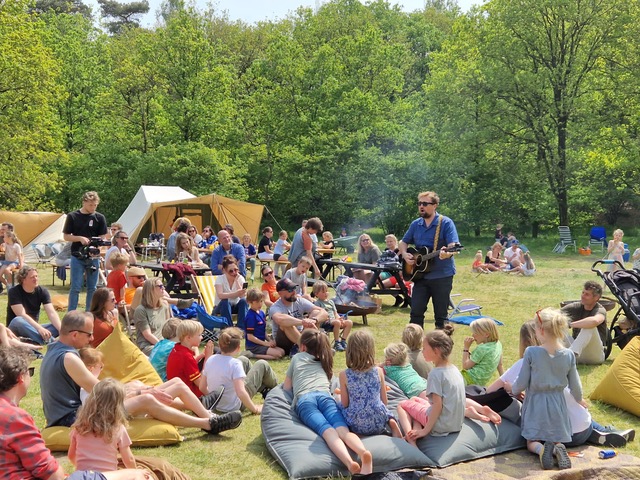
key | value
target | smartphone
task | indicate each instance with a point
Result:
(245, 285)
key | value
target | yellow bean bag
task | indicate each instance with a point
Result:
(124, 360)
(620, 386)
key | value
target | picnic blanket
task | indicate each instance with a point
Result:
(467, 319)
(521, 464)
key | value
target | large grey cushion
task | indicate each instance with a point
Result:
(303, 454)
(475, 440)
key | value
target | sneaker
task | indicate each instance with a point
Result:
(546, 456)
(212, 399)
(227, 421)
(337, 346)
(562, 457)
(612, 438)
(343, 342)
(293, 351)
(264, 392)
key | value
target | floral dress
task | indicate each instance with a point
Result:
(366, 414)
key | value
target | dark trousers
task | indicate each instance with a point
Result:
(439, 291)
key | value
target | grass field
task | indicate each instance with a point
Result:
(241, 453)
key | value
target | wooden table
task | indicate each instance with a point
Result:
(170, 278)
(374, 286)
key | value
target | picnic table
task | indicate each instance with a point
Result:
(170, 276)
(374, 286)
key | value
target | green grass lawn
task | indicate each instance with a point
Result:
(511, 299)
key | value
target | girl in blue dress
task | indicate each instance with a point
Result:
(363, 392)
(545, 373)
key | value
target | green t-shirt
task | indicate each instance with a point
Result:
(407, 379)
(486, 357)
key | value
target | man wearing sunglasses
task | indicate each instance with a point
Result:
(438, 282)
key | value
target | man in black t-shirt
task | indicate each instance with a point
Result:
(23, 308)
(79, 227)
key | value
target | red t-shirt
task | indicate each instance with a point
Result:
(116, 281)
(182, 364)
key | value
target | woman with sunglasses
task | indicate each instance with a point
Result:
(151, 315)
(231, 291)
(368, 252)
(105, 314)
(269, 286)
(192, 231)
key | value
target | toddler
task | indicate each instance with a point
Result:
(308, 376)
(478, 367)
(94, 361)
(161, 350)
(362, 389)
(239, 379)
(335, 322)
(412, 337)
(546, 371)
(398, 369)
(478, 265)
(256, 340)
(616, 249)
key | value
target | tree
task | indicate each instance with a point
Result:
(63, 6)
(29, 137)
(123, 15)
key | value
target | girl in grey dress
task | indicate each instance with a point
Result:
(546, 371)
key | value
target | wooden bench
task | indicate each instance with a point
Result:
(273, 264)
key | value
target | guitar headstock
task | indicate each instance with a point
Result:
(455, 248)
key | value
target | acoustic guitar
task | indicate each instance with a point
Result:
(422, 265)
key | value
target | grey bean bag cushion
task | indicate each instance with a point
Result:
(303, 454)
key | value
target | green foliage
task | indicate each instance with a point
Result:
(122, 15)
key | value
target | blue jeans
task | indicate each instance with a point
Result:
(22, 328)
(319, 411)
(225, 309)
(78, 270)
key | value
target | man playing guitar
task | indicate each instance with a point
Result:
(431, 229)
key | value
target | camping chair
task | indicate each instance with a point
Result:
(598, 237)
(204, 286)
(463, 307)
(566, 239)
(43, 252)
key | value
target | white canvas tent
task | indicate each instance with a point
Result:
(35, 227)
(154, 208)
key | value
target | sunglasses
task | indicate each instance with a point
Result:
(88, 334)
(268, 273)
(424, 204)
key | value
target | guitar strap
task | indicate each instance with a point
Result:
(435, 240)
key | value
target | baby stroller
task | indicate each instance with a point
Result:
(625, 286)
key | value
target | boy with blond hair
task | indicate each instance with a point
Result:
(182, 361)
(117, 278)
(335, 322)
(412, 337)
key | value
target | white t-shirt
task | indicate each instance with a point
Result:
(226, 288)
(579, 416)
(223, 370)
(510, 254)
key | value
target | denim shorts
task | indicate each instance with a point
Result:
(86, 475)
(5, 263)
(320, 412)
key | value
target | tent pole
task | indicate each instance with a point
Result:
(274, 218)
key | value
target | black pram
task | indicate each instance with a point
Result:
(625, 286)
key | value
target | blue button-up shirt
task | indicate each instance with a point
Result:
(219, 253)
(422, 236)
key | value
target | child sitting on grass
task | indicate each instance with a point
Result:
(412, 337)
(240, 380)
(256, 340)
(478, 366)
(479, 266)
(161, 350)
(335, 323)
(397, 368)
(183, 363)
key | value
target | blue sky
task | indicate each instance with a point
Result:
(252, 11)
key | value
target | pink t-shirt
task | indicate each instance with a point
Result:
(93, 453)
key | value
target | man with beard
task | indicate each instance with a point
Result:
(437, 283)
(291, 314)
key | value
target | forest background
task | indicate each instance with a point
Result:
(524, 113)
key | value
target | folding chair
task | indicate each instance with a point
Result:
(43, 252)
(566, 240)
(204, 286)
(598, 237)
(463, 307)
